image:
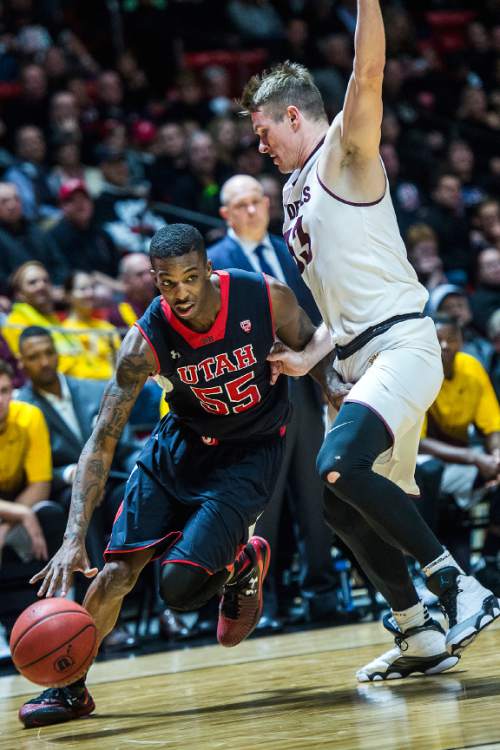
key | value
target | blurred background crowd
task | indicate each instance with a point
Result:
(119, 116)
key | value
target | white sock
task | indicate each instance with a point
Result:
(445, 560)
(412, 617)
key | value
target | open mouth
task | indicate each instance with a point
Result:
(184, 310)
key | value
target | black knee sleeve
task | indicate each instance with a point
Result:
(180, 584)
(353, 443)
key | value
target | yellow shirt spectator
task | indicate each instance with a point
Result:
(465, 399)
(100, 348)
(23, 315)
(25, 455)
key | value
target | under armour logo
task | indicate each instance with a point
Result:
(174, 354)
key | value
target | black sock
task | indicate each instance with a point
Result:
(78, 686)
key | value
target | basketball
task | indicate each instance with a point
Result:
(53, 642)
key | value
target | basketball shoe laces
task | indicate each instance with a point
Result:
(448, 603)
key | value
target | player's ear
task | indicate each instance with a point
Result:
(293, 116)
(209, 268)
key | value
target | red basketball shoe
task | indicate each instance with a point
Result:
(56, 705)
(241, 604)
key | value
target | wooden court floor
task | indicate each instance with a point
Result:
(291, 692)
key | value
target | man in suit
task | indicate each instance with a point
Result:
(70, 407)
(249, 246)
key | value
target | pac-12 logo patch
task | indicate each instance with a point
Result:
(246, 325)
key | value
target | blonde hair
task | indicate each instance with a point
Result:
(420, 233)
(284, 85)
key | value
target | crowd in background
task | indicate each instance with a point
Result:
(117, 117)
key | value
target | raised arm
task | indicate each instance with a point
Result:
(357, 129)
(135, 364)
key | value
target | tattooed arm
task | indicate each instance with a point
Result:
(135, 364)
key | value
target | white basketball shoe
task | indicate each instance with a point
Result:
(467, 606)
(421, 649)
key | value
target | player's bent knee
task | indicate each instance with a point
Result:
(179, 585)
(329, 466)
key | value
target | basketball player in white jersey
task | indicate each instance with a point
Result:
(341, 228)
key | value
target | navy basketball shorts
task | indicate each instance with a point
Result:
(194, 503)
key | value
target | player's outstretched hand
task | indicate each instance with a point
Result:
(285, 361)
(57, 575)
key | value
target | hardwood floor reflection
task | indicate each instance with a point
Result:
(287, 692)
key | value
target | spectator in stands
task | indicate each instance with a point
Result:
(494, 337)
(249, 246)
(77, 236)
(171, 161)
(466, 399)
(140, 154)
(224, 132)
(218, 91)
(139, 290)
(199, 190)
(7, 356)
(32, 104)
(249, 160)
(122, 209)
(31, 527)
(405, 195)
(70, 407)
(30, 174)
(189, 104)
(257, 21)
(451, 300)
(34, 305)
(485, 221)
(478, 123)
(99, 339)
(446, 216)
(486, 298)
(110, 96)
(461, 163)
(333, 72)
(21, 240)
(64, 116)
(423, 254)
(134, 81)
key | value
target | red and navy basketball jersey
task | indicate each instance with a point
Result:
(217, 382)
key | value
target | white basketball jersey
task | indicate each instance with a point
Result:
(350, 255)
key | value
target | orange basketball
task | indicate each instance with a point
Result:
(53, 642)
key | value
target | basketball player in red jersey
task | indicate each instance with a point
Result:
(209, 468)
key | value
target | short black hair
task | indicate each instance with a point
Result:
(31, 331)
(174, 240)
(6, 369)
(447, 320)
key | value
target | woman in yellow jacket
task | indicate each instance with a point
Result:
(99, 339)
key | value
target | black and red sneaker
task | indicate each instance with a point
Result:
(56, 705)
(240, 608)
